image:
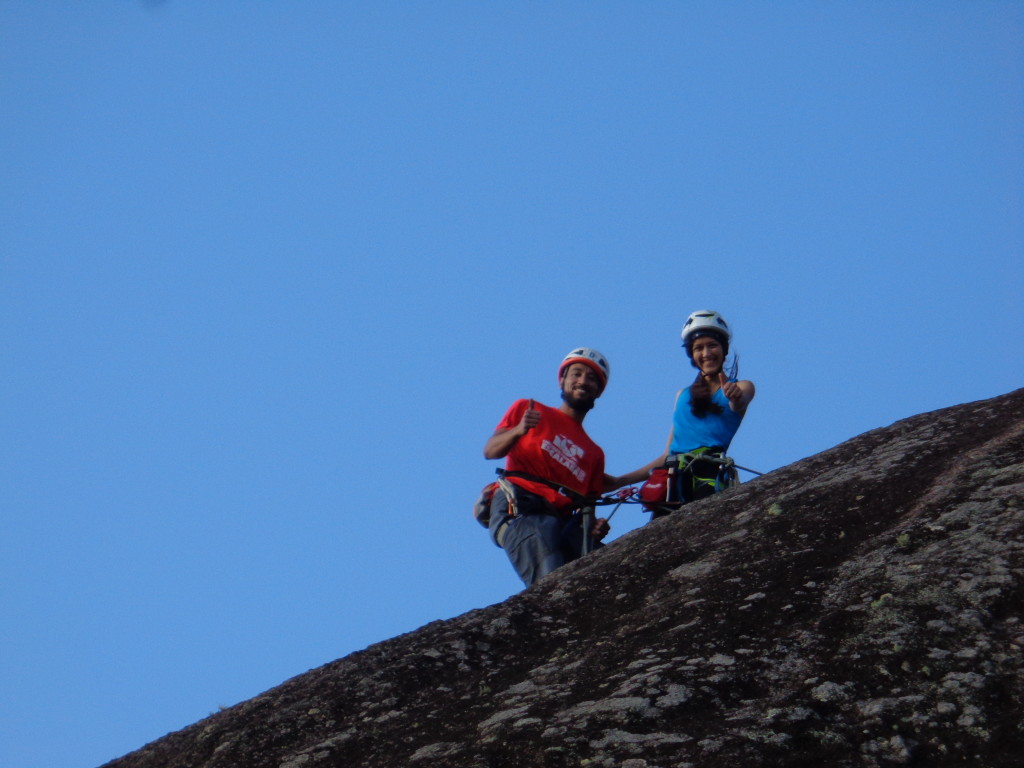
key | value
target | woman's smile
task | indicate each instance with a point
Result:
(707, 352)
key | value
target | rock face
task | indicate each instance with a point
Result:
(858, 608)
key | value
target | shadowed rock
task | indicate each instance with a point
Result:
(861, 607)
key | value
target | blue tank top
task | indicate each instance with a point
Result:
(690, 432)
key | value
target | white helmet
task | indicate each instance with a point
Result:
(708, 322)
(590, 357)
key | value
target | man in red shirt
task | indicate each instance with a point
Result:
(551, 464)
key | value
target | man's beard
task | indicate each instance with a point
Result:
(581, 404)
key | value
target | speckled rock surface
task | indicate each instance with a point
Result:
(859, 608)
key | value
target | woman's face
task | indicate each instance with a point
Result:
(708, 355)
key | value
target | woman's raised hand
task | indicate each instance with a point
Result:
(730, 389)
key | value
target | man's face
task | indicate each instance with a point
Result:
(581, 386)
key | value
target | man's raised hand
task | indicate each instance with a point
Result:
(530, 419)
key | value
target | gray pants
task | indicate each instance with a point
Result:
(538, 540)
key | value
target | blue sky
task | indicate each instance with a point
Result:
(271, 272)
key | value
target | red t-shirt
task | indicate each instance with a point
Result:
(558, 450)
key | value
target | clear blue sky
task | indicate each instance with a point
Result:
(270, 273)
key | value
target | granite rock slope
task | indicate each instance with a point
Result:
(861, 607)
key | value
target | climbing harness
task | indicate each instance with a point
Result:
(659, 494)
(689, 477)
(583, 506)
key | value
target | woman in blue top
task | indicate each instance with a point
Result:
(706, 416)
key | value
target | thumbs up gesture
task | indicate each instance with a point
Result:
(739, 393)
(730, 389)
(530, 419)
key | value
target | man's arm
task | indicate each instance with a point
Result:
(636, 476)
(500, 443)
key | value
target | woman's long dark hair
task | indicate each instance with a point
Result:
(700, 392)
